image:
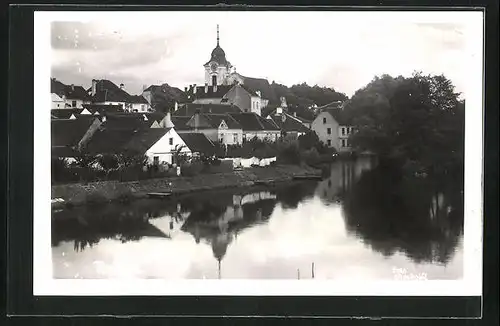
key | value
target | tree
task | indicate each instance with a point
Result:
(415, 121)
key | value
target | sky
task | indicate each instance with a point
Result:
(343, 50)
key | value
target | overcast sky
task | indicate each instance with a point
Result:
(343, 50)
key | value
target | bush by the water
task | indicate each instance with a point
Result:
(191, 169)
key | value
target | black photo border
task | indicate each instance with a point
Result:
(19, 296)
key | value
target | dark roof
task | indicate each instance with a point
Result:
(103, 108)
(249, 90)
(216, 119)
(259, 84)
(180, 122)
(338, 115)
(70, 91)
(138, 99)
(289, 123)
(201, 94)
(164, 96)
(144, 139)
(64, 113)
(191, 108)
(68, 132)
(218, 55)
(198, 142)
(250, 121)
(127, 121)
(107, 91)
(109, 140)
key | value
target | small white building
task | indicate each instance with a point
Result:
(332, 129)
(57, 102)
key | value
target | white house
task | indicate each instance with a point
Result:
(332, 129)
(57, 102)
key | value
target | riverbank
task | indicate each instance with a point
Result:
(107, 191)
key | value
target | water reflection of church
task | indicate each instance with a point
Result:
(218, 224)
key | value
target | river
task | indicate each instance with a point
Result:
(359, 223)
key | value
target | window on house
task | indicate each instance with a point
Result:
(170, 141)
(143, 107)
(344, 143)
(156, 160)
(73, 104)
(214, 80)
(329, 183)
(343, 131)
(222, 138)
(329, 131)
(324, 120)
(329, 142)
(235, 138)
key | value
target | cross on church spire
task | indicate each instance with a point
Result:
(217, 34)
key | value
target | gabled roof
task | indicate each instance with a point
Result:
(191, 108)
(103, 108)
(138, 99)
(338, 115)
(250, 121)
(72, 92)
(56, 98)
(216, 120)
(180, 122)
(66, 132)
(109, 140)
(127, 121)
(144, 140)
(259, 84)
(200, 92)
(198, 143)
(289, 123)
(107, 91)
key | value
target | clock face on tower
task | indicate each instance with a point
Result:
(213, 66)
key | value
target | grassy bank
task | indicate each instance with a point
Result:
(106, 191)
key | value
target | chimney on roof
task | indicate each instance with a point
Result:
(215, 88)
(194, 88)
(185, 89)
(122, 86)
(196, 117)
(295, 114)
(72, 87)
(167, 121)
(176, 106)
(206, 87)
(94, 87)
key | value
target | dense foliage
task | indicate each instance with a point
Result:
(415, 122)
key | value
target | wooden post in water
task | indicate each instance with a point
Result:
(312, 270)
(298, 274)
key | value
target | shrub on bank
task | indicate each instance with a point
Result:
(191, 169)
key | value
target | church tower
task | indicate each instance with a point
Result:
(217, 69)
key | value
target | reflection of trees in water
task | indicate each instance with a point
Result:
(291, 195)
(87, 226)
(422, 218)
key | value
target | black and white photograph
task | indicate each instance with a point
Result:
(258, 152)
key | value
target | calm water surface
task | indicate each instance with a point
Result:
(359, 223)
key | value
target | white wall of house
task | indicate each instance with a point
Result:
(74, 103)
(57, 102)
(263, 135)
(165, 147)
(230, 136)
(140, 107)
(327, 128)
(256, 104)
(208, 101)
(344, 132)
